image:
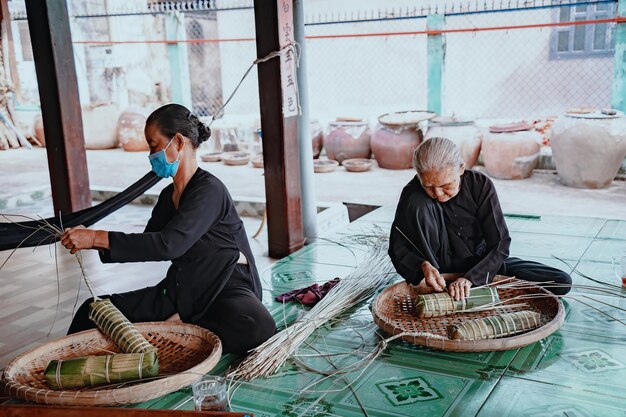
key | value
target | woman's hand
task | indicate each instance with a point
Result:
(432, 278)
(78, 238)
(460, 288)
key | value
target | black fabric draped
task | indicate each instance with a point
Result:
(24, 234)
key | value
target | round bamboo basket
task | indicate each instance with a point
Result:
(394, 312)
(186, 352)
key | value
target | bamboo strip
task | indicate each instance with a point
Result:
(373, 273)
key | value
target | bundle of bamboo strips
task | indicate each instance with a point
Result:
(492, 327)
(94, 370)
(112, 323)
(373, 273)
(442, 304)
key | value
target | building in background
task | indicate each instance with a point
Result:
(365, 58)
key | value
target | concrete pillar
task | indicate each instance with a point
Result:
(309, 207)
(618, 99)
(435, 61)
(178, 58)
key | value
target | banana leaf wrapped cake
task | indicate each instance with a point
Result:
(112, 322)
(94, 370)
(501, 325)
(442, 304)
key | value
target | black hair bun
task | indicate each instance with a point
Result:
(204, 132)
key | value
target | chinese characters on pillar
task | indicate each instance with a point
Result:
(287, 60)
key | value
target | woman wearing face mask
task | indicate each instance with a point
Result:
(213, 281)
(449, 227)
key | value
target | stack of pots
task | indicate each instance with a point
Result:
(464, 133)
(511, 151)
(348, 138)
(588, 149)
(397, 136)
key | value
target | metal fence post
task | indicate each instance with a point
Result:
(618, 100)
(435, 62)
(309, 207)
(178, 58)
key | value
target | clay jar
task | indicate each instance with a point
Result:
(130, 131)
(38, 128)
(511, 155)
(588, 152)
(317, 138)
(397, 136)
(99, 122)
(348, 139)
(465, 134)
(393, 148)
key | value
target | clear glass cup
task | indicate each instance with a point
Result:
(209, 394)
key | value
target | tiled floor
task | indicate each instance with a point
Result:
(578, 371)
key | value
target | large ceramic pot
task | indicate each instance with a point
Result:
(511, 155)
(99, 123)
(467, 136)
(348, 139)
(130, 131)
(38, 129)
(588, 150)
(317, 138)
(396, 137)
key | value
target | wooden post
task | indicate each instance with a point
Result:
(274, 30)
(49, 27)
(618, 100)
(435, 62)
(179, 62)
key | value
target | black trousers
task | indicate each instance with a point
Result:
(237, 316)
(537, 272)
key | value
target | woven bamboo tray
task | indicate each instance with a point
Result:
(394, 312)
(186, 352)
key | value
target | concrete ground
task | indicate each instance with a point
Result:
(25, 171)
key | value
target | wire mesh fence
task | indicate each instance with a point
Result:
(503, 59)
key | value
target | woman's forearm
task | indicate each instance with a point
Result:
(101, 240)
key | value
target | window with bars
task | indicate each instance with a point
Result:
(584, 40)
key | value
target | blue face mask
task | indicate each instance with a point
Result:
(160, 164)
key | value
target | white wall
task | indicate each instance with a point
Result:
(487, 74)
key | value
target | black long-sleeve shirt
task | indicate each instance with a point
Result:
(202, 238)
(466, 234)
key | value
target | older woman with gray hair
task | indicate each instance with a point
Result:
(449, 231)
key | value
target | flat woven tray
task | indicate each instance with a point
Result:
(394, 312)
(186, 352)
